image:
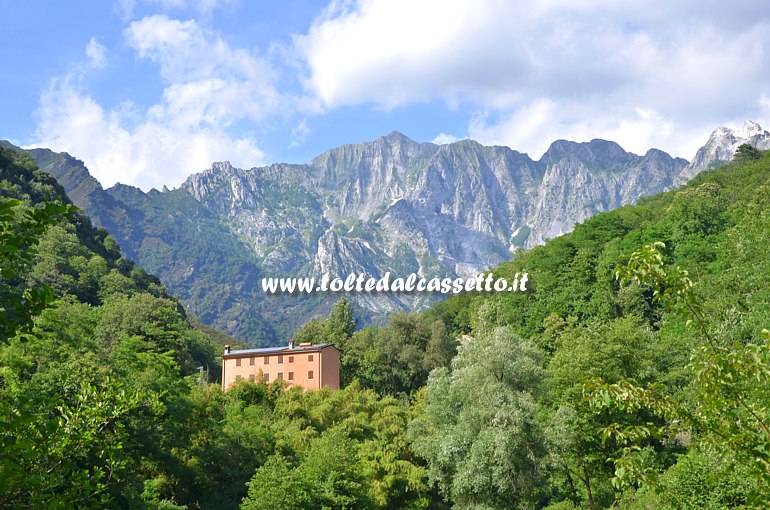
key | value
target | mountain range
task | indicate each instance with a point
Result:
(391, 204)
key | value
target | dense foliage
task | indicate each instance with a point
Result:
(650, 394)
(633, 374)
(104, 398)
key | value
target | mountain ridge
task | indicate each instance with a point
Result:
(392, 204)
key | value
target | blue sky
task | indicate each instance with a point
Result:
(148, 91)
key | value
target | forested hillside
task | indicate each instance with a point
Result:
(102, 404)
(634, 373)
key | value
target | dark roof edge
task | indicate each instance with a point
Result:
(277, 350)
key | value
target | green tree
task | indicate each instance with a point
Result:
(327, 476)
(60, 447)
(614, 351)
(746, 152)
(336, 328)
(728, 404)
(392, 359)
(60, 260)
(478, 431)
(21, 229)
(64, 451)
(155, 320)
(278, 485)
(335, 449)
(702, 479)
(441, 348)
(341, 324)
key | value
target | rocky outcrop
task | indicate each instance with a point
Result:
(721, 146)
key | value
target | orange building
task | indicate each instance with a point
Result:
(307, 365)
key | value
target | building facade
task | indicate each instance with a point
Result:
(311, 366)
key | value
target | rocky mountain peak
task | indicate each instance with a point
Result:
(750, 129)
(222, 167)
(396, 137)
(597, 154)
(558, 149)
(203, 184)
(721, 146)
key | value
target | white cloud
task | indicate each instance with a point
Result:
(299, 133)
(396, 51)
(549, 69)
(150, 154)
(644, 74)
(536, 125)
(209, 86)
(208, 79)
(443, 139)
(530, 126)
(96, 54)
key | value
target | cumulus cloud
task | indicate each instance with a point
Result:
(208, 79)
(152, 153)
(96, 54)
(643, 71)
(543, 121)
(443, 139)
(209, 86)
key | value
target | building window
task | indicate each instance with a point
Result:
(280, 358)
(252, 377)
(280, 376)
(267, 360)
(291, 376)
(310, 374)
(291, 359)
(251, 361)
(237, 362)
(310, 357)
(266, 378)
(238, 377)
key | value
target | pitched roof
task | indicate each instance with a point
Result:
(285, 349)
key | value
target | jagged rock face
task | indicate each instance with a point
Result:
(721, 146)
(581, 180)
(395, 203)
(391, 205)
